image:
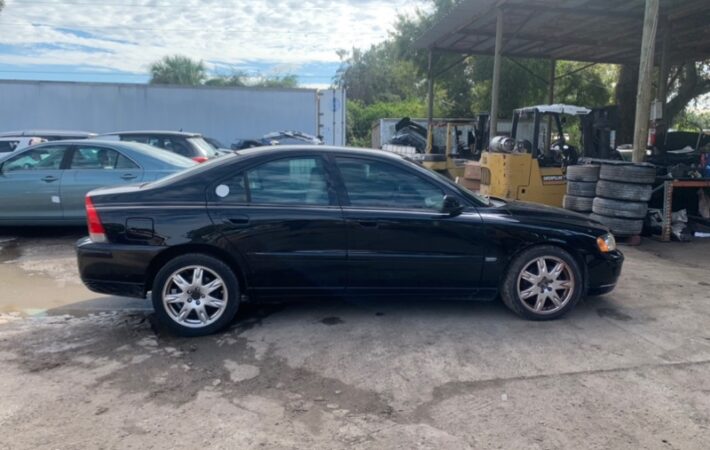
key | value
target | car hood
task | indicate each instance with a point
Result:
(526, 212)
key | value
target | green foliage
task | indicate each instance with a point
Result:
(395, 72)
(182, 70)
(178, 69)
(692, 120)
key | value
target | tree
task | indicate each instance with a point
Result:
(687, 82)
(178, 69)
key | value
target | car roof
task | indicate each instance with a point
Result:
(40, 133)
(161, 132)
(286, 149)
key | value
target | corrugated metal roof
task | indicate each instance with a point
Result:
(605, 31)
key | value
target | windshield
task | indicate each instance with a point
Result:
(204, 146)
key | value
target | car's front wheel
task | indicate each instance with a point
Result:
(542, 283)
(195, 295)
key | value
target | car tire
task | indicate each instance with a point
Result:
(619, 208)
(624, 191)
(578, 204)
(628, 173)
(195, 307)
(516, 286)
(619, 226)
(582, 188)
(586, 172)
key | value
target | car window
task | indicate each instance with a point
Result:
(380, 185)
(289, 181)
(90, 157)
(8, 146)
(45, 158)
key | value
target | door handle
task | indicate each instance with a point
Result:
(241, 221)
(368, 223)
(49, 179)
(128, 176)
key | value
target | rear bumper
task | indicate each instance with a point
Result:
(603, 271)
(115, 269)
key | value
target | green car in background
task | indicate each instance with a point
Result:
(46, 184)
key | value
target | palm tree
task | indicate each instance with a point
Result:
(177, 69)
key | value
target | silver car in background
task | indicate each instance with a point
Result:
(46, 184)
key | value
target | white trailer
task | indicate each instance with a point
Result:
(224, 113)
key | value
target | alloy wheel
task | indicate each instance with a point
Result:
(545, 285)
(195, 296)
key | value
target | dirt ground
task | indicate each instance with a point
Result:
(628, 370)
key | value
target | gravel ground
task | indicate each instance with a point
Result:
(626, 370)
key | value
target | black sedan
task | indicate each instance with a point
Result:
(276, 222)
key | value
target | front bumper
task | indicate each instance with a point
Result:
(603, 271)
(115, 269)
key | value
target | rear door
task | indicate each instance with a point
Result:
(92, 166)
(282, 219)
(30, 183)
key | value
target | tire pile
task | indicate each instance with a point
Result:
(581, 188)
(620, 195)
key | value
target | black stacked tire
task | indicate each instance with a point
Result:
(579, 204)
(581, 187)
(619, 208)
(628, 173)
(622, 192)
(588, 173)
(618, 226)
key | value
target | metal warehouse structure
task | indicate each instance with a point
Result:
(595, 31)
(225, 113)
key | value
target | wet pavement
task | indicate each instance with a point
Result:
(80, 370)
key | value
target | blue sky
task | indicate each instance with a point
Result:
(116, 40)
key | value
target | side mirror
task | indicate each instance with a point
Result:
(451, 206)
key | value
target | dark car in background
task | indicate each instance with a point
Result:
(190, 145)
(278, 138)
(46, 184)
(306, 221)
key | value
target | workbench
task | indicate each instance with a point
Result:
(668, 187)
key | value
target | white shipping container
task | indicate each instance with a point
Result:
(224, 113)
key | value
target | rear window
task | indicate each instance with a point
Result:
(164, 155)
(8, 146)
(204, 146)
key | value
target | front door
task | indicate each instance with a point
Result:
(90, 167)
(29, 185)
(399, 240)
(283, 221)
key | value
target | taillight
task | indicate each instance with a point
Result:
(200, 159)
(96, 228)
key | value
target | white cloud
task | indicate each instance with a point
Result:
(128, 35)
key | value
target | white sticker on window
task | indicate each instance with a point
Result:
(55, 199)
(222, 190)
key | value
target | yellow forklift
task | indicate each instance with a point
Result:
(464, 141)
(530, 164)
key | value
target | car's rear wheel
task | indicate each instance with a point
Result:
(542, 283)
(195, 295)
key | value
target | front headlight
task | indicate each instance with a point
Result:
(606, 243)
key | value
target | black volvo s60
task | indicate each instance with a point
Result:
(275, 222)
